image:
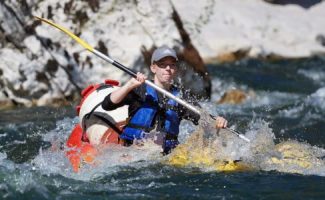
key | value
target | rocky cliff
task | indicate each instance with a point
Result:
(39, 65)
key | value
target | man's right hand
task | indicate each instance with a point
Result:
(118, 95)
(136, 82)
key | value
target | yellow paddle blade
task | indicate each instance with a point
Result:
(76, 38)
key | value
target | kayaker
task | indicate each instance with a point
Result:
(150, 113)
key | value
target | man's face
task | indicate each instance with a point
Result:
(165, 69)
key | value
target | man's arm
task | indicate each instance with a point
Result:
(120, 96)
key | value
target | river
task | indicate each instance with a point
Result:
(286, 101)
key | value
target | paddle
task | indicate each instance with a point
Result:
(131, 72)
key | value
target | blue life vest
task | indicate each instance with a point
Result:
(143, 120)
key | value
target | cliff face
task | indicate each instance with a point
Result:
(40, 65)
(35, 68)
(234, 29)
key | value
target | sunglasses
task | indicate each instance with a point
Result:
(164, 65)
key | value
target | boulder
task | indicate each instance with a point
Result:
(233, 97)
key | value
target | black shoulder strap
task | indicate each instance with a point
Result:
(108, 122)
(100, 116)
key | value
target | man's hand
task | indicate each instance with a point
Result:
(221, 122)
(136, 82)
(118, 95)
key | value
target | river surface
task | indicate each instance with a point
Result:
(286, 101)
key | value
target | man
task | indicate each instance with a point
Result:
(149, 110)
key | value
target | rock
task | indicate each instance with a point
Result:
(302, 3)
(223, 58)
(33, 44)
(38, 60)
(321, 39)
(224, 27)
(233, 97)
(230, 56)
(42, 63)
(13, 20)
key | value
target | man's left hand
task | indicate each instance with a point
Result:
(221, 122)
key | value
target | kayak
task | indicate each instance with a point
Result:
(103, 128)
(198, 152)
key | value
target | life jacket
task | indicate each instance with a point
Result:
(142, 121)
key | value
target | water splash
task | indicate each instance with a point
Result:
(110, 159)
(209, 150)
(206, 148)
(318, 76)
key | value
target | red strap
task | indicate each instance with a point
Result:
(86, 90)
(112, 82)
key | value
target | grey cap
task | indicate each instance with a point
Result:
(163, 52)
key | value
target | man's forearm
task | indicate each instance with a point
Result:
(118, 95)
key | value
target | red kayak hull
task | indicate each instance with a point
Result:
(80, 152)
